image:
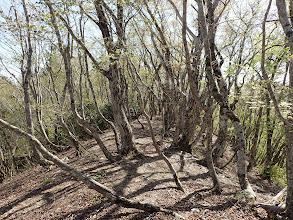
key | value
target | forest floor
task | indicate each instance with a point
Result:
(40, 193)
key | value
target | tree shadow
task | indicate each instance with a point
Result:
(48, 197)
(132, 172)
(83, 213)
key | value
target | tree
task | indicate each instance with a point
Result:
(65, 53)
(113, 74)
(22, 30)
(288, 122)
(215, 81)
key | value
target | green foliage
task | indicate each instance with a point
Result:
(241, 194)
(100, 175)
(97, 197)
(275, 173)
(46, 181)
(57, 136)
(107, 111)
(93, 118)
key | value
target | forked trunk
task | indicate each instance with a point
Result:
(26, 76)
(64, 51)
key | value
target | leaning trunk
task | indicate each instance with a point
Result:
(64, 51)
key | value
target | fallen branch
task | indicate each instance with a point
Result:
(91, 183)
(160, 153)
(276, 204)
(272, 208)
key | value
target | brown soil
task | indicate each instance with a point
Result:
(40, 193)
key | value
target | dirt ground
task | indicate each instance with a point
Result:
(40, 193)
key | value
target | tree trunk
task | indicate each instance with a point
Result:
(209, 147)
(241, 154)
(253, 148)
(119, 111)
(270, 130)
(222, 136)
(117, 96)
(111, 124)
(289, 147)
(160, 153)
(69, 81)
(26, 76)
(220, 95)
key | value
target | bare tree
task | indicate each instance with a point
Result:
(64, 51)
(26, 72)
(114, 74)
(215, 81)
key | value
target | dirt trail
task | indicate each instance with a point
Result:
(39, 193)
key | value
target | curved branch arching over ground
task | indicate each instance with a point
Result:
(91, 183)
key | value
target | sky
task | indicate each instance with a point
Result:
(8, 52)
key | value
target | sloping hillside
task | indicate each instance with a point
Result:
(41, 193)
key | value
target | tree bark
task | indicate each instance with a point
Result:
(117, 96)
(252, 154)
(289, 148)
(120, 117)
(209, 147)
(222, 136)
(111, 124)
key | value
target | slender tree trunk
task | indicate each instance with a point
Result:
(270, 130)
(111, 124)
(289, 148)
(161, 155)
(70, 136)
(81, 103)
(252, 154)
(155, 143)
(26, 74)
(209, 147)
(69, 81)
